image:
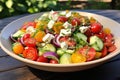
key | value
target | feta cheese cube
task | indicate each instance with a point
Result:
(50, 24)
(63, 13)
(53, 15)
(65, 32)
(83, 29)
(48, 37)
(63, 45)
(30, 30)
(67, 25)
(68, 14)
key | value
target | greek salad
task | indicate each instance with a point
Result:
(63, 37)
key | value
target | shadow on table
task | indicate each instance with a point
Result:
(107, 71)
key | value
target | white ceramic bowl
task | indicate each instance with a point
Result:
(5, 44)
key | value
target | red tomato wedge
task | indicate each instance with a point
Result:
(104, 51)
(75, 22)
(91, 54)
(96, 27)
(26, 36)
(112, 48)
(31, 42)
(62, 19)
(108, 40)
(27, 24)
(88, 52)
(42, 59)
(101, 35)
(53, 61)
(30, 53)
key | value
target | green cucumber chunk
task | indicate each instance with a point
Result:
(49, 47)
(96, 43)
(65, 59)
(18, 34)
(61, 51)
(81, 38)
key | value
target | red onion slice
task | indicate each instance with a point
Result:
(13, 39)
(21, 41)
(51, 55)
(55, 41)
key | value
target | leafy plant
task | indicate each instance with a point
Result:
(16, 7)
(93, 4)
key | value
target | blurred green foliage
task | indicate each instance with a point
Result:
(93, 4)
(16, 7)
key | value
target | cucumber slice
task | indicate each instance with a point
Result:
(81, 38)
(65, 59)
(41, 51)
(18, 34)
(49, 47)
(96, 43)
(60, 51)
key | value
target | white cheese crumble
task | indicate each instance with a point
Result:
(50, 24)
(63, 45)
(68, 14)
(65, 32)
(30, 30)
(63, 13)
(48, 37)
(67, 25)
(83, 29)
(53, 15)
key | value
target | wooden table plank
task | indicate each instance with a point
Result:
(7, 63)
(18, 74)
(2, 53)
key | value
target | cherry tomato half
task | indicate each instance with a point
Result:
(30, 53)
(101, 35)
(71, 43)
(112, 48)
(96, 27)
(91, 54)
(88, 33)
(104, 51)
(75, 22)
(26, 36)
(108, 40)
(88, 52)
(42, 59)
(67, 40)
(27, 24)
(53, 61)
(62, 19)
(31, 42)
(64, 38)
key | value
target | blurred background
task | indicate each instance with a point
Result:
(16, 7)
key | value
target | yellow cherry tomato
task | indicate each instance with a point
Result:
(78, 58)
(107, 30)
(57, 27)
(39, 36)
(41, 25)
(98, 55)
(17, 48)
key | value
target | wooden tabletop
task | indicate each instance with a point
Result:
(11, 69)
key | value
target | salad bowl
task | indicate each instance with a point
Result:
(5, 44)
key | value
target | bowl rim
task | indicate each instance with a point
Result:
(49, 64)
